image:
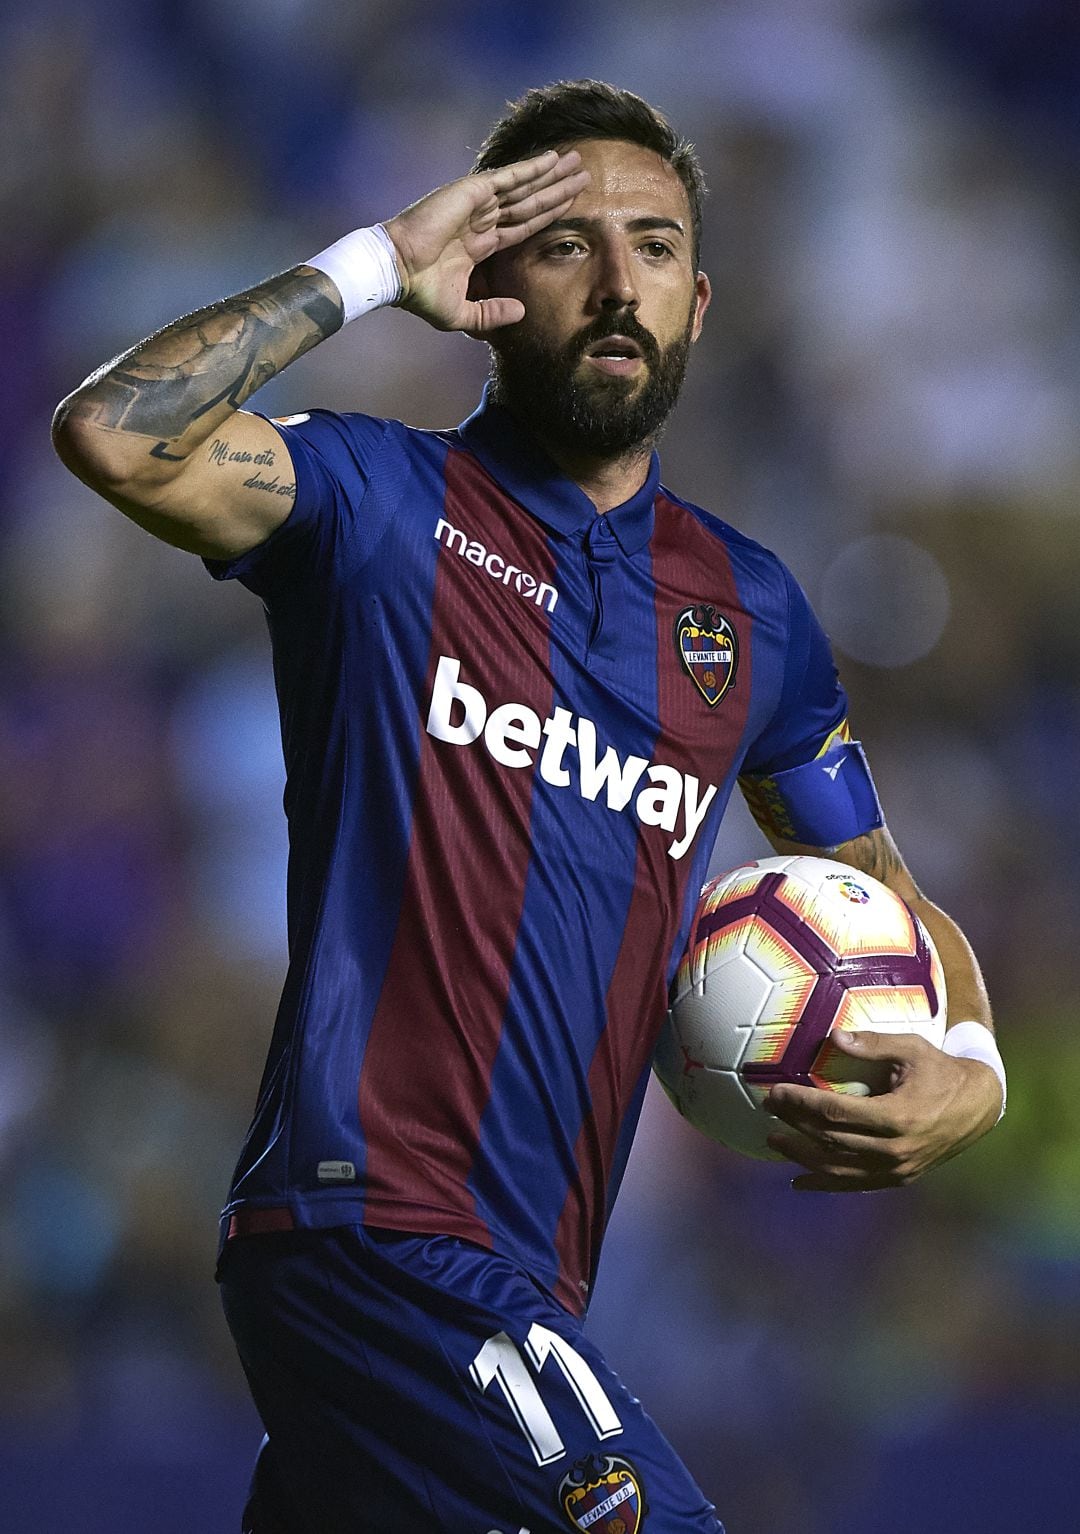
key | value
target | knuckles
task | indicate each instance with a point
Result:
(907, 1165)
(902, 1124)
(833, 1110)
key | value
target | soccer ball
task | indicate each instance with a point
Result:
(781, 952)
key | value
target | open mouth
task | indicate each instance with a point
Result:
(615, 354)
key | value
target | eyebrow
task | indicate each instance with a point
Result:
(634, 225)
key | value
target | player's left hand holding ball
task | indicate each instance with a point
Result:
(936, 1107)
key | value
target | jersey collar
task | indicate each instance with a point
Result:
(521, 467)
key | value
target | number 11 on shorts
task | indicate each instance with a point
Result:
(499, 1360)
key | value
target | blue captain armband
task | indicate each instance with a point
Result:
(820, 804)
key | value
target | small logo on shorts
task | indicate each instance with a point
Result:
(336, 1171)
(603, 1493)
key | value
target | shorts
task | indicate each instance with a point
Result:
(422, 1385)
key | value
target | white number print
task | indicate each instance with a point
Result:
(499, 1360)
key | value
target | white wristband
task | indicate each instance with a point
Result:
(974, 1041)
(363, 268)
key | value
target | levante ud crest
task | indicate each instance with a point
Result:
(708, 648)
(604, 1495)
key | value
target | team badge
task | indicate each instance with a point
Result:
(603, 1494)
(708, 648)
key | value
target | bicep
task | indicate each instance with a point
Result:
(227, 497)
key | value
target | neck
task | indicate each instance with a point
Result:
(608, 482)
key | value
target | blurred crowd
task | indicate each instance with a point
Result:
(886, 393)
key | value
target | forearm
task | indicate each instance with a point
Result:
(156, 432)
(146, 412)
(877, 854)
(964, 985)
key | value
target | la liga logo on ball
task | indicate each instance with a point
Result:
(708, 647)
(782, 953)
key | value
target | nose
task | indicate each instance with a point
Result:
(615, 284)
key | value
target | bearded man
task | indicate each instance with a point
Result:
(505, 775)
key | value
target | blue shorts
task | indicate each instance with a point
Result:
(421, 1385)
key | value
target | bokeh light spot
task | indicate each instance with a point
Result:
(885, 600)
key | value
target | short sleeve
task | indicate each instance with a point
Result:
(333, 457)
(804, 779)
(813, 704)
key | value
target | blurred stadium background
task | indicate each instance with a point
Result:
(887, 393)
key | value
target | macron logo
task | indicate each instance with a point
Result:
(496, 566)
(516, 736)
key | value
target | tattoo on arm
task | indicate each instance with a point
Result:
(221, 454)
(877, 854)
(271, 486)
(182, 375)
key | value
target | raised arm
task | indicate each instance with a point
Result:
(160, 431)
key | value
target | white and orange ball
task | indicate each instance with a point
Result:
(781, 952)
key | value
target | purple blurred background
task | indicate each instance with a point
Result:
(887, 393)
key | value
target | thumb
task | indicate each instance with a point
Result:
(486, 314)
(865, 1043)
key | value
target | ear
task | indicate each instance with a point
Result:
(702, 300)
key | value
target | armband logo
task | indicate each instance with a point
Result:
(604, 1494)
(708, 647)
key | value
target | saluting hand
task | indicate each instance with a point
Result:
(441, 238)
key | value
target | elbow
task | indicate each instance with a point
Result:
(104, 459)
(78, 444)
(118, 466)
(64, 431)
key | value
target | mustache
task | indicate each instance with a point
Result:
(623, 324)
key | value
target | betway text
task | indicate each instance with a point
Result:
(517, 737)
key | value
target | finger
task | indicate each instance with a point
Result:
(515, 234)
(548, 201)
(813, 1109)
(506, 177)
(830, 1152)
(484, 218)
(899, 1048)
(567, 166)
(486, 314)
(528, 216)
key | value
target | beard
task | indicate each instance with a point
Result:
(599, 415)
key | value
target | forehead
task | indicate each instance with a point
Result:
(628, 179)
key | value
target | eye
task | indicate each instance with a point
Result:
(658, 249)
(562, 248)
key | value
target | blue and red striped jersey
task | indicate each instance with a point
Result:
(510, 726)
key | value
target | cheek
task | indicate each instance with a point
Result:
(548, 318)
(555, 292)
(676, 305)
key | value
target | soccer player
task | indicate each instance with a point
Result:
(518, 680)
